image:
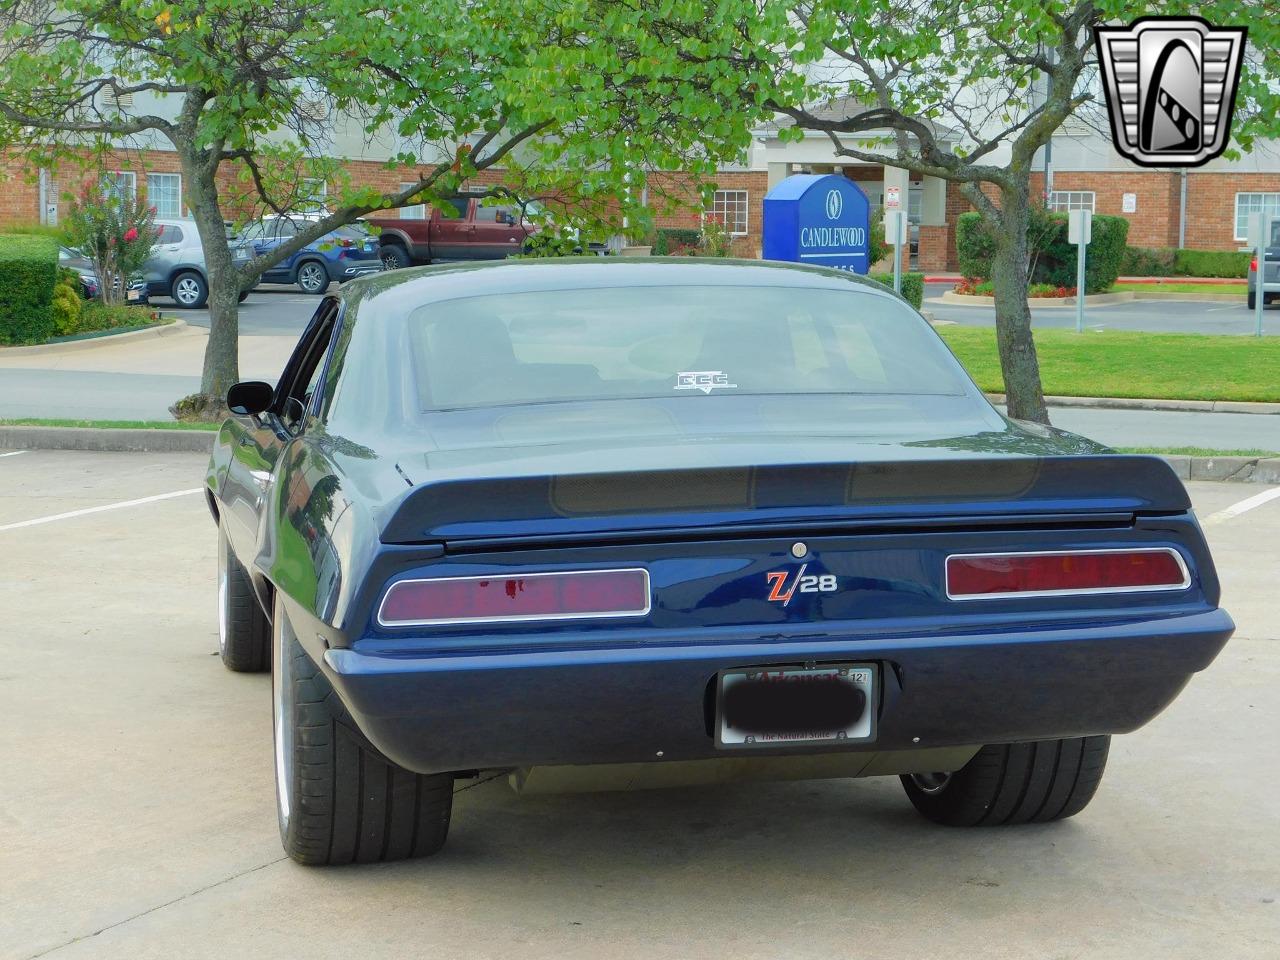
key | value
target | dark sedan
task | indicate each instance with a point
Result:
(626, 522)
(91, 284)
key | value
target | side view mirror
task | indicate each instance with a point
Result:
(250, 398)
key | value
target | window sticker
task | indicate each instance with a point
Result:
(704, 380)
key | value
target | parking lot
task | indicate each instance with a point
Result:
(137, 813)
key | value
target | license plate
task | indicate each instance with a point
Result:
(782, 706)
(132, 294)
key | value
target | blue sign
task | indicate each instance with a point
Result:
(820, 219)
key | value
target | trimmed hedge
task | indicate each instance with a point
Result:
(1056, 264)
(674, 239)
(28, 273)
(1170, 262)
(912, 286)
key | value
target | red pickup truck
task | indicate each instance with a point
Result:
(476, 232)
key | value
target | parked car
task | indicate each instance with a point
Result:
(1271, 279)
(176, 267)
(741, 519)
(471, 230)
(342, 255)
(91, 284)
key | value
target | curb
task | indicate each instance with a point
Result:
(118, 440)
(91, 343)
(1228, 469)
(1092, 299)
(1133, 403)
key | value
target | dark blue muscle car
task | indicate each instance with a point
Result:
(591, 521)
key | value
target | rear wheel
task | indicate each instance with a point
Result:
(393, 256)
(313, 277)
(189, 289)
(1253, 300)
(338, 799)
(1012, 783)
(244, 635)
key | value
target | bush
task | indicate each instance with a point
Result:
(1057, 265)
(1211, 263)
(95, 315)
(675, 241)
(912, 286)
(975, 245)
(117, 234)
(65, 308)
(1147, 262)
(28, 274)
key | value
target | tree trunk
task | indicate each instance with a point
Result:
(1011, 280)
(221, 353)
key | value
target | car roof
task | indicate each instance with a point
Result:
(402, 291)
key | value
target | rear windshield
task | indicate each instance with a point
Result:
(693, 342)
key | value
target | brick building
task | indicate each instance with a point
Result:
(1205, 208)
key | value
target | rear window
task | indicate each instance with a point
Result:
(691, 342)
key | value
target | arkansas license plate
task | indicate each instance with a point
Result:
(132, 295)
(778, 706)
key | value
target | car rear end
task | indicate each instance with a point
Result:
(1271, 275)
(351, 252)
(924, 608)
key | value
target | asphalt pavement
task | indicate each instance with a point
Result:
(137, 813)
(1152, 316)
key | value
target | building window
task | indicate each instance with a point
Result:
(418, 211)
(1247, 204)
(311, 196)
(120, 186)
(1071, 200)
(730, 207)
(164, 192)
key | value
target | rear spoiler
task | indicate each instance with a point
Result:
(833, 494)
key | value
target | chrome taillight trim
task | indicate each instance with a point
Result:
(1069, 591)
(521, 618)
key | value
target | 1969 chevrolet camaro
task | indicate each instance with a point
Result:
(611, 523)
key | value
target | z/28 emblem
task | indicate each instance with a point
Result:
(780, 591)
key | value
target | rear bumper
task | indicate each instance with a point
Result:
(438, 713)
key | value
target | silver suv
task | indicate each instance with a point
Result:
(176, 266)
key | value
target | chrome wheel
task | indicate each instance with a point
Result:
(393, 259)
(312, 277)
(187, 291)
(282, 711)
(931, 782)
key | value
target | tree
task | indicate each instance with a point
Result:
(1003, 76)
(255, 97)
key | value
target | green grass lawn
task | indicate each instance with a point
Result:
(110, 424)
(1198, 452)
(1170, 366)
(1236, 287)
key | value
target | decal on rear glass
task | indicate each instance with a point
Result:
(704, 380)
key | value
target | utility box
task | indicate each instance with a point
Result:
(819, 219)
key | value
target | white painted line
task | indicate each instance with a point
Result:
(12, 453)
(106, 506)
(1244, 506)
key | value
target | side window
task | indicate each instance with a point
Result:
(459, 211)
(169, 233)
(301, 376)
(505, 215)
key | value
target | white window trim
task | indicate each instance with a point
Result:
(746, 211)
(415, 211)
(1091, 194)
(1235, 211)
(150, 202)
(132, 180)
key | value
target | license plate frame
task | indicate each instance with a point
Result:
(865, 676)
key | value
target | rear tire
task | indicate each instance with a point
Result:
(244, 633)
(338, 799)
(189, 290)
(393, 256)
(1012, 783)
(313, 278)
(1253, 300)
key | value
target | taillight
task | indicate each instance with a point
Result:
(1253, 265)
(985, 576)
(568, 595)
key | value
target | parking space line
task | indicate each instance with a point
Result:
(1244, 506)
(70, 514)
(12, 453)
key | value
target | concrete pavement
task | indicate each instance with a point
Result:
(137, 815)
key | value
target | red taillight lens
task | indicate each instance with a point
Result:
(531, 596)
(976, 576)
(1253, 265)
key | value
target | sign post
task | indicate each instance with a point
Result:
(1080, 232)
(895, 231)
(1263, 230)
(819, 219)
